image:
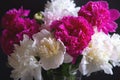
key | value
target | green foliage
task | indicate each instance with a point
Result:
(66, 71)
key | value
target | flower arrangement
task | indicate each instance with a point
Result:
(61, 40)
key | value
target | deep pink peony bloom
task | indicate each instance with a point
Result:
(74, 32)
(99, 14)
(11, 18)
(16, 24)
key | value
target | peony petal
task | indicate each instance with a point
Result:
(112, 26)
(52, 62)
(42, 34)
(37, 74)
(27, 76)
(115, 14)
(104, 4)
(67, 58)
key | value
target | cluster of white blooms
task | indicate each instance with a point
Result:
(50, 51)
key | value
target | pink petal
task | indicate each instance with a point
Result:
(115, 14)
(104, 4)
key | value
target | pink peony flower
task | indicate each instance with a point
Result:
(16, 24)
(74, 32)
(11, 18)
(99, 14)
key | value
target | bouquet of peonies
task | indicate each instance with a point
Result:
(61, 40)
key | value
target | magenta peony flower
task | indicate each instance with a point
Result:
(11, 18)
(99, 14)
(74, 32)
(16, 24)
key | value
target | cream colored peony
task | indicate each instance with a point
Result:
(97, 55)
(56, 9)
(23, 61)
(50, 50)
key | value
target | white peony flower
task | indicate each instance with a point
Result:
(97, 55)
(56, 9)
(115, 58)
(23, 61)
(50, 50)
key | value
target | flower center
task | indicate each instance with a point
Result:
(48, 47)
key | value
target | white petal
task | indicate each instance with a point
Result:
(37, 73)
(40, 35)
(83, 67)
(107, 68)
(27, 76)
(67, 58)
(52, 62)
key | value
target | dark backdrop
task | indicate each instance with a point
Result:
(38, 5)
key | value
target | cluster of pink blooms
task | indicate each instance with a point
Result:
(74, 32)
(15, 24)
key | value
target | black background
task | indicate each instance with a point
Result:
(38, 5)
